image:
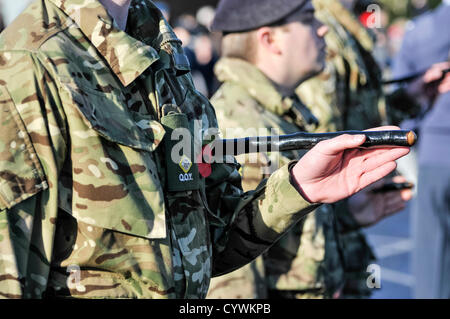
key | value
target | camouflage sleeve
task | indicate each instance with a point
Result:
(254, 220)
(21, 177)
(26, 157)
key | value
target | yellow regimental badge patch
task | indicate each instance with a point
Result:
(185, 163)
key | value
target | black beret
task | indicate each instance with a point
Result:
(243, 15)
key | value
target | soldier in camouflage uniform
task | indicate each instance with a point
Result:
(91, 203)
(307, 261)
(299, 254)
(352, 79)
(348, 95)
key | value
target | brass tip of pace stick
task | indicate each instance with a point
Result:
(411, 137)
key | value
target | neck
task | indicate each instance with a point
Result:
(285, 91)
(280, 79)
(273, 71)
(118, 10)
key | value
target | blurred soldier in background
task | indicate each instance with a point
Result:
(355, 93)
(265, 58)
(347, 96)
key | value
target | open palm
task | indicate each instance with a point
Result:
(337, 168)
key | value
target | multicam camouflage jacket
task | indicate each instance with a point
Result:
(347, 95)
(87, 207)
(307, 260)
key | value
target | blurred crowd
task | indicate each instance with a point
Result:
(403, 46)
(201, 46)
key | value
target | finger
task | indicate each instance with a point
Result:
(346, 141)
(403, 195)
(444, 86)
(394, 209)
(369, 153)
(340, 143)
(377, 184)
(406, 194)
(432, 75)
(394, 204)
(379, 157)
(443, 65)
(383, 128)
(399, 179)
(435, 71)
(392, 198)
(370, 177)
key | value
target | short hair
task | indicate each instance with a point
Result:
(241, 45)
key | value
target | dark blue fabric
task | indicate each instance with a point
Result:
(431, 228)
(244, 15)
(434, 144)
(425, 43)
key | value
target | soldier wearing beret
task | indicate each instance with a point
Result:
(348, 95)
(93, 203)
(269, 48)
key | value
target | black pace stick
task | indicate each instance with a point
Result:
(303, 140)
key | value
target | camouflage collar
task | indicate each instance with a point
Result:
(260, 88)
(333, 13)
(127, 56)
(254, 82)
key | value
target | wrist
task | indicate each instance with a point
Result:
(294, 182)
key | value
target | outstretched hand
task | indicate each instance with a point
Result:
(368, 207)
(436, 73)
(336, 169)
